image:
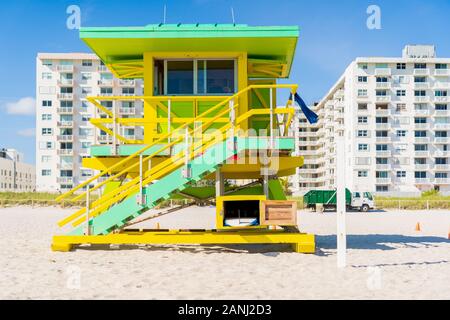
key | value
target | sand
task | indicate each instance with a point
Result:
(387, 259)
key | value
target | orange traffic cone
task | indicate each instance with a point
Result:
(418, 226)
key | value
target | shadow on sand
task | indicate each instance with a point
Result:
(380, 241)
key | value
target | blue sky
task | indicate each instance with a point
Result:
(333, 33)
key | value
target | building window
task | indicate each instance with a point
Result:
(362, 92)
(362, 174)
(441, 66)
(420, 174)
(363, 147)
(362, 133)
(128, 91)
(420, 79)
(400, 107)
(362, 79)
(441, 175)
(381, 147)
(85, 76)
(401, 66)
(440, 93)
(363, 66)
(420, 120)
(420, 93)
(401, 93)
(47, 63)
(47, 131)
(46, 76)
(401, 133)
(382, 189)
(401, 174)
(46, 159)
(440, 106)
(420, 147)
(46, 103)
(381, 93)
(106, 91)
(382, 79)
(46, 116)
(420, 65)
(381, 174)
(362, 106)
(420, 133)
(440, 134)
(381, 119)
(381, 161)
(362, 120)
(381, 133)
(86, 63)
(46, 172)
(86, 90)
(420, 161)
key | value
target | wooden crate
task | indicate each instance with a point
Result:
(280, 213)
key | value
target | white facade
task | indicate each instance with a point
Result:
(15, 175)
(63, 131)
(395, 113)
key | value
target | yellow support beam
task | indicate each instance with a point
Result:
(301, 242)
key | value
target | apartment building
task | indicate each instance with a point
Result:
(15, 174)
(395, 115)
(63, 131)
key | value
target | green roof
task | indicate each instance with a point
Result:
(115, 45)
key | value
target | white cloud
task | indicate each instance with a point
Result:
(30, 132)
(24, 106)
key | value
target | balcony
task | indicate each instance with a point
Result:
(421, 125)
(422, 112)
(442, 167)
(103, 69)
(421, 99)
(421, 139)
(442, 72)
(65, 82)
(441, 112)
(422, 153)
(385, 167)
(421, 85)
(442, 180)
(441, 99)
(65, 152)
(65, 166)
(105, 83)
(383, 85)
(385, 126)
(65, 96)
(442, 126)
(65, 138)
(64, 110)
(383, 153)
(65, 124)
(104, 138)
(383, 71)
(383, 139)
(443, 140)
(383, 180)
(127, 83)
(422, 180)
(421, 72)
(65, 179)
(421, 167)
(65, 68)
(441, 153)
(383, 98)
(380, 111)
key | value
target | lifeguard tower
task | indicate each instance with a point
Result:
(209, 114)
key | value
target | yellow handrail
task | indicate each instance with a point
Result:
(164, 137)
(159, 171)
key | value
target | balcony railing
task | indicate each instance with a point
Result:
(442, 112)
(384, 98)
(65, 152)
(103, 69)
(125, 83)
(441, 99)
(383, 85)
(64, 110)
(383, 180)
(105, 82)
(422, 180)
(65, 138)
(384, 153)
(422, 153)
(442, 181)
(422, 166)
(105, 138)
(65, 68)
(442, 72)
(383, 71)
(442, 167)
(421, 72)
(421, 139)
(382, 125)
(383, 167)
(442, 126)
(421, 125)
(65, 82)
(441, 140)
(65, 179)
(65, 124)
(65, 166)
(383, 139)
(421, 85)
(65, 96)
(421, 99)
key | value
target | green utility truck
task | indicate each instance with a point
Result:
(326, 199)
